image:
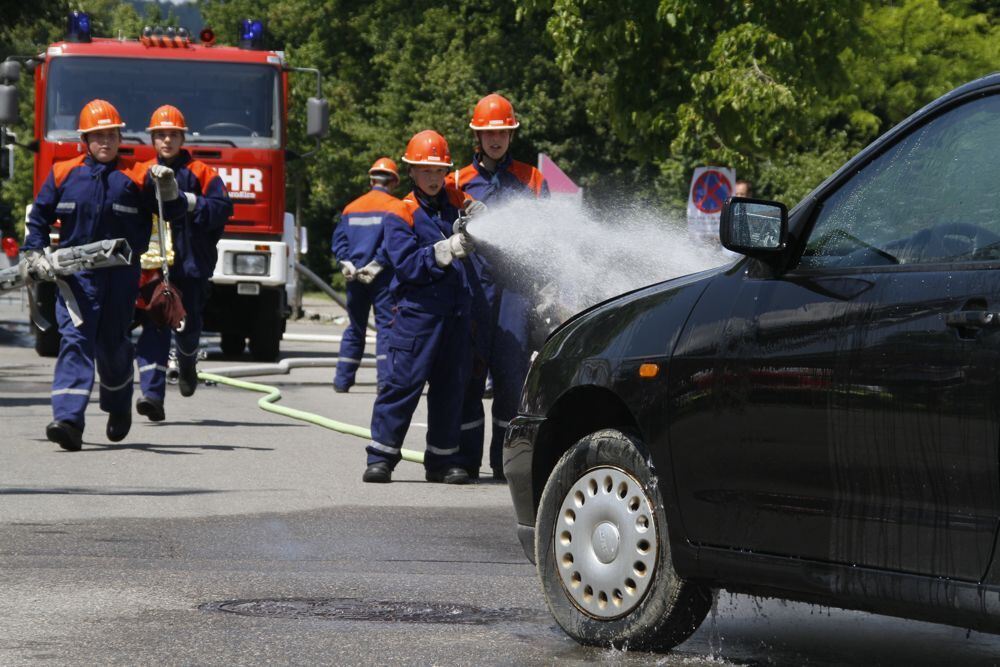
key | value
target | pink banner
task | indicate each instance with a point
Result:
(558, 181)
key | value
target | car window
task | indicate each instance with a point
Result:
(932, 197)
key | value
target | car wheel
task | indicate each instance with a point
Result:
(602, 550)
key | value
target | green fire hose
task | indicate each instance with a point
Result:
(268, 403)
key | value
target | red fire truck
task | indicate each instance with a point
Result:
(235, 101)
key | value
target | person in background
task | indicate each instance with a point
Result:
(193, 237)
(95, 196)
(358, 246)
(428, 339)
(742, 189)
(501, 314)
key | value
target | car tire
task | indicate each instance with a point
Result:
(233, 344)
(606, 569)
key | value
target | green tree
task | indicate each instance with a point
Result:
(783, 90)
(729, 81)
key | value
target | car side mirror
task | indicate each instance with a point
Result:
(754, 227)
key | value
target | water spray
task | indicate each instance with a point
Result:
(565, 258)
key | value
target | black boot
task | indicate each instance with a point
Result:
(65, 435)
(453, 475)
(119, 426)
(187, 377)
(151, 409)
(377, 473)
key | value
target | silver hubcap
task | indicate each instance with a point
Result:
(605, 542)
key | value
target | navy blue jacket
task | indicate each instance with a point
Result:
(93, 201)
(358, 236)
(410, 234)
(195, 233)
(511, 179)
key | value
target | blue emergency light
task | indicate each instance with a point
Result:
(78, 27)
(251, 34)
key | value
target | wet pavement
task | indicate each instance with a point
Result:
(228, 535)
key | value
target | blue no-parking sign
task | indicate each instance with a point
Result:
(710, 188)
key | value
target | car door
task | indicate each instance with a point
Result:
(849, 408)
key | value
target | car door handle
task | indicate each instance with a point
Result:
(972, 319)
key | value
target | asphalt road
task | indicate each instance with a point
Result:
(228, 535)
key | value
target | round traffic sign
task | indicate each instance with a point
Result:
(710, 191)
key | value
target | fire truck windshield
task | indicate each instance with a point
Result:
(230, 103)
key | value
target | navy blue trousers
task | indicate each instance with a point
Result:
(504, 350)
(106, 299)
(153, 348)
(360, 300)
(423, 348)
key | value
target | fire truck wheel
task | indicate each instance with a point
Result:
(233, 344)
(265, 341)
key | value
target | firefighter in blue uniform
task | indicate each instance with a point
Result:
(428, 340)
(192, 241)
(95, 197)
(357, 245)
(501, 314)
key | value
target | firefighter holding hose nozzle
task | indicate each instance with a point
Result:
(428, 340)
(501, 314)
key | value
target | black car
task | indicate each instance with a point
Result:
(819, 421)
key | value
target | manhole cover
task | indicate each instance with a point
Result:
(353, 609)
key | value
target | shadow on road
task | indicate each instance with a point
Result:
(23, 402)
(221, 423)
(102, 491)
(171, 449)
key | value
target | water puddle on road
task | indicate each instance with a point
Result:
(353, 609)
(526, 627)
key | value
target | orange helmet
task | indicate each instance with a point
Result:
(384, 165)
(167, 118)
(494, 112)
(99, 115)
(429, 148)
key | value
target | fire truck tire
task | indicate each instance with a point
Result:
(265, 341)
(47, 342)
(233, 344)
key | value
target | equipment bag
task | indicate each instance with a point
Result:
(161, 300)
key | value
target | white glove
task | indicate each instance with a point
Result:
(442, 253)
(475, 208)
(165, 181)
(461, 245)
(369, 272)
(36, 265)
(456, 246)
(350, 273)
(192, 200)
